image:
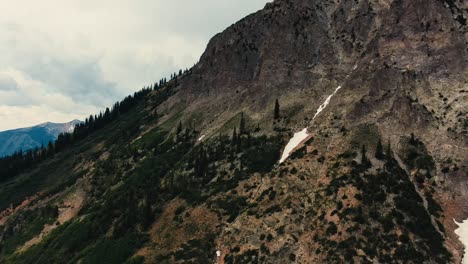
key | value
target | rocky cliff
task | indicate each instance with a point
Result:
(192, 173)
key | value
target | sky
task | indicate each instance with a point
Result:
(66, 59)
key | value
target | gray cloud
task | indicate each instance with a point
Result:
(63, 60)
(7, 83)
(81, 81)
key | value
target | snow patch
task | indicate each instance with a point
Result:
(201, 138)
(301, 136)
(462, 232)
(71, 129)
(218, 253)
(298, 138)
(325, 104)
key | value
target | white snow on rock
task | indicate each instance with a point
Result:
(462, 232)
(293, 143)
(201, 138)
(301, 136)
(327, 101)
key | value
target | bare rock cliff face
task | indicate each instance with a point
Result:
(402, 65)
(304, 49)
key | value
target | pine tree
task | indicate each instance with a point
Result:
(234, 137)
(277, 110)
(187, 135)
(388, 157)
(179, 128)
(388, 152)
(148, 216)
(257, 129)
(107, 115)
(363, 155)
(239, 143)
(379, 151)
(179, 131)
(412, 139)
(242, 125)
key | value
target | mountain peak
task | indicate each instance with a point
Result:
(31, 137)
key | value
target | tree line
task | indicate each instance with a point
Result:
(20, 161)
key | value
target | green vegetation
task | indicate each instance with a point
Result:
(249, 256)
(111, 250)
(24, 227)
(379, 150)
(415, 155)
(131, 185)
(389, 202)
(20, 161)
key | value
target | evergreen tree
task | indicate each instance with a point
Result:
(242, 125)
(148, 216)
(178, 132)
(239, 143)
(412, 139)
(234, 137)
(257, 129)
(187, 135)
(388, 152)
(388, 157)
(379, 151)
(363, 155)
(179, 128)
(277, 110)
(107, 115)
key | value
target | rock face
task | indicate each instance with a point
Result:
(410, 61)
(305, 46)
(402, 66)
(192, 173)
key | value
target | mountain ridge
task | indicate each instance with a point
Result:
(191, 172)
(23, 139)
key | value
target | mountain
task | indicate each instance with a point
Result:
(32, 137)
(363, 102)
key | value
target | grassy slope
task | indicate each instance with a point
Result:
(132, 184)
(61, 172)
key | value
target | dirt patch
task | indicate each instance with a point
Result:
(5, 214)
(178, 224)
(68, 209)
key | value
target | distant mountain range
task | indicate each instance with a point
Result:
(31, 137)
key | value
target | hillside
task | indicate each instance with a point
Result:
(371, 92)
(24, 139)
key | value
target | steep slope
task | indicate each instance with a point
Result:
(192, 175)
(31, 137)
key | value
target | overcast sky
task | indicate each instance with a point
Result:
(65, 59)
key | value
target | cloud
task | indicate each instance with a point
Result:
(32, 115)
(81, 81)
(7, 83)
(63, 58)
